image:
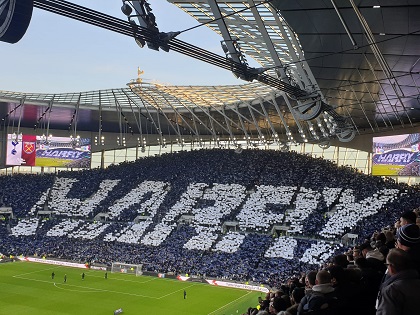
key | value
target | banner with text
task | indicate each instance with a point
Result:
(31, 150)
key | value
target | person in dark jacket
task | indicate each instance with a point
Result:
(408, 239)
(400, 293)
(322, 296)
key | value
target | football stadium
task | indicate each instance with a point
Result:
(295, 191)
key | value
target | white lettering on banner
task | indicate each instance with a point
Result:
(134, 197)
(89, 230)
(63, 154)
(330, 195)
(184, 206)
(63, 205)
(64, 228)
(224, 198)
(230, 242)
(282, 247)
(397, 157)
(238, 286)
(88, 206)
(98, 268)
(60, 203)
(255, 213)
(349, 212)
(53, 262)
(319, 252)
(306, 202)
(207, 220)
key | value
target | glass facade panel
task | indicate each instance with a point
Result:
(120, 156)
(344, 156)
(131, 154)
(328, 154)
(96, 160)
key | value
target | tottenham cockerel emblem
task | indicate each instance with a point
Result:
(15, 16)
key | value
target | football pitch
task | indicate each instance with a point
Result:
(28, 288)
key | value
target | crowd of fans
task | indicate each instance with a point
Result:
(287, 214)
(379, 276)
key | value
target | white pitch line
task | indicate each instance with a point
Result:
(249, 292)
(163, 296)
(95, 289)
(117, 279)
(81, 291)
(36, 271)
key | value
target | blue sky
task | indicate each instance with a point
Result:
(58, 54)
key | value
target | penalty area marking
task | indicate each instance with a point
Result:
(36, 271)
(173, 292)
(249, 292)
(83, 288)
(90, 273)
(96, 290)
(91, 290)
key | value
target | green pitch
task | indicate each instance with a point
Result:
(386, 170)
(52, 162)
(28, 288)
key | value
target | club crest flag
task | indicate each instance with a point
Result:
(14, 150)
(29, 149)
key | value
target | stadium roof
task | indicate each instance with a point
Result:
(349, 68)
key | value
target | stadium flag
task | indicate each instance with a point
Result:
(14, 150)
(29, 149)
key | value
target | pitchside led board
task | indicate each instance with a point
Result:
(396, 155)
(31, 150)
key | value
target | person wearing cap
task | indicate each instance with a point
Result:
(400, 293)
(408, 239)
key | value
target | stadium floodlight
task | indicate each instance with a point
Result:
(140, 42)
(126, 9)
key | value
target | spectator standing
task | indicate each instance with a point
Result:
(322, 297)
(400, 293)
(276, 305)
(375, 258)
(296, 296)
(310, 280)
(408, 239)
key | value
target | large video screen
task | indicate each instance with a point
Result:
(31, 150)
(396, 155)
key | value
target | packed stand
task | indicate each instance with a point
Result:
(315, 201)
